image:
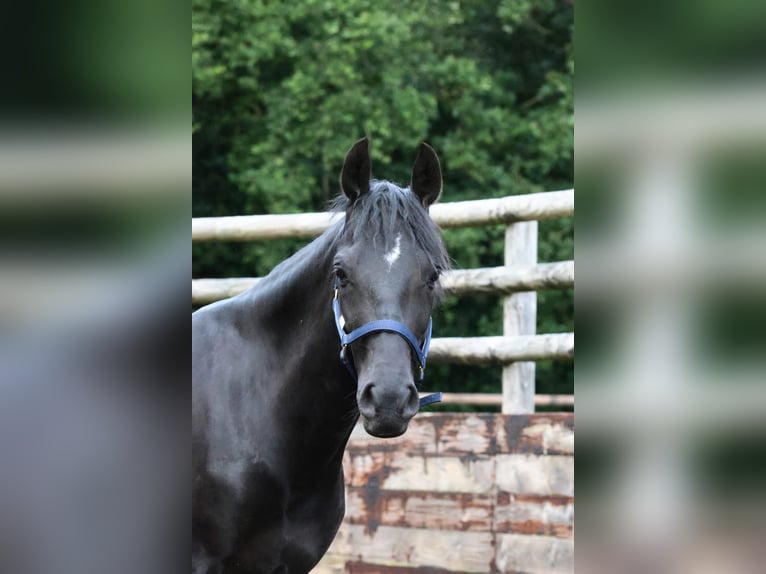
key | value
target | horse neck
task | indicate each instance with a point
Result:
(294, 300)
(296, 307)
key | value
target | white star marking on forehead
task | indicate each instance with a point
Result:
(394, 254)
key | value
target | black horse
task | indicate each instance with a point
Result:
(274, 404)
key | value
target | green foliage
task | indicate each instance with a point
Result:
(281, 90)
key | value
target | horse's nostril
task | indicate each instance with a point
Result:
(366, 401)
(412, 404)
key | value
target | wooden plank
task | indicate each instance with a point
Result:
(519, 553)
(469, 435)
(466, 434)
(489, 281)
(551, 475)
(496, 399)
(509, 513)
(541, 433)
(509, 279)
(520, 319)
(331, 564)
(554, 400)
(482, 399)
(374, 507)
(531, 207)
(536, 206)
(402, 471)
(366, 568)
(206, 291)
(500, 350)
(459, 434)
(534, 515)
(414, 547)
(254, 227)
(419, 439)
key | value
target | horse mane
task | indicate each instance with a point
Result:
(378, 213)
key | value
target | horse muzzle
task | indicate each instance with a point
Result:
(386, 408)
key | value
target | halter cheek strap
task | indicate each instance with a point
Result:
(387, 325)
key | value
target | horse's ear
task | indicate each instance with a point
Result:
(355, 175)
(426, 180)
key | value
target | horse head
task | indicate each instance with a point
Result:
(387, 269)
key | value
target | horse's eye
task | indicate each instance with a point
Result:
(341, 275)
(433, 279)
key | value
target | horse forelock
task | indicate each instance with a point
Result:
(385, 213)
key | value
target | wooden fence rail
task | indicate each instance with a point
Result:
(501, 350)
(489, 280)
(496, 399)
(537, 206)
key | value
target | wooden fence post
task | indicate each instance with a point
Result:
(520, 318)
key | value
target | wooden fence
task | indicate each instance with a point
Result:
(459, 492)
(517, 280)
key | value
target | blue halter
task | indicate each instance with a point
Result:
(381, 325)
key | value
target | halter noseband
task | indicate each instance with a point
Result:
(387, 325)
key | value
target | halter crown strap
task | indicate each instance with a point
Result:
(387, 325)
